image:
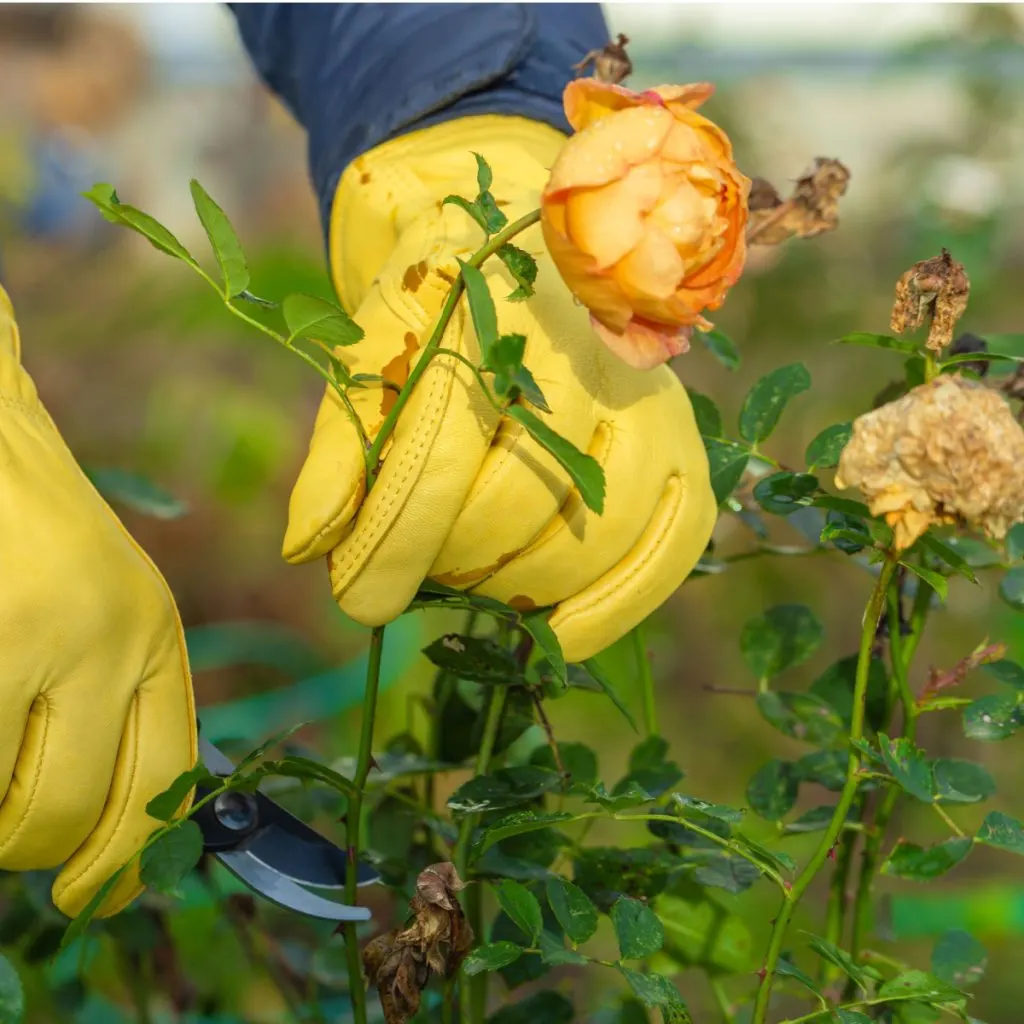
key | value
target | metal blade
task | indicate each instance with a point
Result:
(285, 893)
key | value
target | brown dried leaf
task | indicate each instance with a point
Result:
(611, 64)
(935, 290)
(984, 654)
(812, 209)
(949, 451)
(437, 939)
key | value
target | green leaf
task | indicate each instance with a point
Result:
(319, 320)
(599, 676)
(817, 819)
(878, 341)
(135, 492)
(727, 871)
(919, 985)
(511, 378)
(701, 933)
(959, 959)
(12, 996)
(772, 791)
(788, 969)
(768, 397)
(225, 243)
(922, 864)
(947, 554)
(851, 1017)
(554, 954)
(1008, 672)
(962, 782)
(481, 308)
(579, 761)
(995, 717)
(827, 768)
(1015, 543)
(517, 824)
(709, 419)
(727, 461)
(657, 991)
(505, 788)
(908, 766)
(802, 716)
(171, 857)
(622, 798)
(782, 637)
(1011, 588)
(650, 768)
(637, 928)
(473, 209)
(491, 958)
(295, 767)
(784, 493)
(494, 218)
(151, 229)
(484, 177)
(585, 470)
(938, 583)
(475, 658)
(836, 684)
(843, 960)
(537, 625)
(523, 268)
(522, 907)
(1003, 832)
(167, 804)
(573, 908)
(541, 1008)
(721, 347)
(824, 451)
(607, 873)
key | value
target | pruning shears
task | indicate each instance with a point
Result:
(272, 852)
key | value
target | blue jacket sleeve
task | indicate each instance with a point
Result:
(356, 75)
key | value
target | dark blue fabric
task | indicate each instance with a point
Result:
(355, 75)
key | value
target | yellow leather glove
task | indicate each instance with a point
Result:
(463, 498)
(96, 710)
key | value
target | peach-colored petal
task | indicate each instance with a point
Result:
(598, 291)
(685, 97)
(606, 151)
(687, 216)
(607, 222)
(644, 345)
(587, 100)
(653, 269)
(683, 145)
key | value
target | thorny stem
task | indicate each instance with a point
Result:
(643, 663)
(434, 342)
(364, 759)
(901, 653)
(839, 898)
(867, 638)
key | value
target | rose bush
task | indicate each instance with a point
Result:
(644, 215)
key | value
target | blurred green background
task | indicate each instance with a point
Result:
(145, 373)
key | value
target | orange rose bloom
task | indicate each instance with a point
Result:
(644, 215)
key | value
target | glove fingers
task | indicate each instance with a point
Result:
(9, 337)
(158, 743)
(659, 562)
(59, 783)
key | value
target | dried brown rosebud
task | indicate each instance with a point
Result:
(946, 452)
(811, 210)
(438, 939)
(935, 290)
(611, 64)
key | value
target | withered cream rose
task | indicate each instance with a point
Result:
(644, 215)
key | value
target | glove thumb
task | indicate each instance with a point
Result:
(10, 341)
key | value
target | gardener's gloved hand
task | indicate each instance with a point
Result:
(96, 712)
(463, 498)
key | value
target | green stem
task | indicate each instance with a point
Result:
(473, 1005)
(838, 897)
(867, 639)
(353, 819)
(643, 665)
(434, 342)
(722, 999)
(901, 651)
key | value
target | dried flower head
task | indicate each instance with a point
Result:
(399, 963)
(935, 290)
(611, 64)
(811, 210)
(946, 452)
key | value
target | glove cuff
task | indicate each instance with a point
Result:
(386, 189)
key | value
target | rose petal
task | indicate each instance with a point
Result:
(688, 216)
(587, 100)
(596, 289)
(685, 97)
(644, 345)
(606, 151)
(607, 222)
(654, 269)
